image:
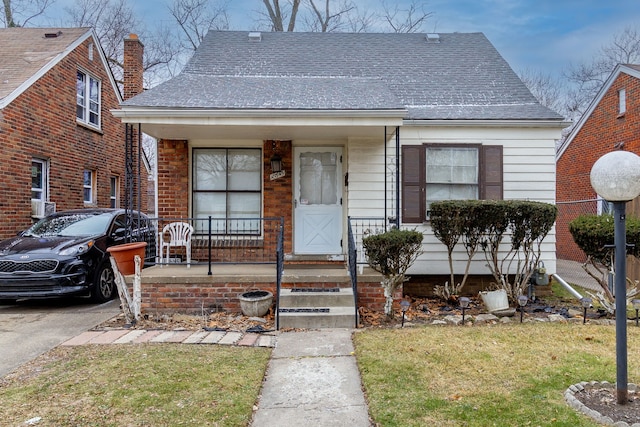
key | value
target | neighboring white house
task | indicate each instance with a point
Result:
(336, 109)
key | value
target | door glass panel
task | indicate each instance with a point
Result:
(318, 180)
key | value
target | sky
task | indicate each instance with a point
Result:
(537, 35)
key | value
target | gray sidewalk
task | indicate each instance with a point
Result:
(312, 380)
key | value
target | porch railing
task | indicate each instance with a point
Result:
(358, 228)
(223, 240)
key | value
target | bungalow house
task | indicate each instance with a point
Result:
(331, 130)
(61, 145)
(612, 122)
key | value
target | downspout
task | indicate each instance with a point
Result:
(397, 176)
(384, 170)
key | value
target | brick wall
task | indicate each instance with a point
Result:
(278, 194)
(601, 132)
(189, 298)
(173, 179)
(41, 123)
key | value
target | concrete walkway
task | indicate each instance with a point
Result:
(312, 380)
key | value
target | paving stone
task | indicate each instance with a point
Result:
(83, 338)
(248, 340)
(195, 337)
(266, 341)
(213, 337)
(230, 338)
(171, 336)
(108, 337)
(130, 337)
(147, 336)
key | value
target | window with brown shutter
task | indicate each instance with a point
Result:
(435, 172)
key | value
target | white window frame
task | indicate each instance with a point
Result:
(114, 191)
(622, 101)
(604, 207)
(44, 191)
(227, 190)
(89, 187)
(88, 108)
(430, 183)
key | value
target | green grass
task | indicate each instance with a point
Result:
(502, 375)
(129, 385)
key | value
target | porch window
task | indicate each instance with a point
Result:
(436, 172)
(227, 184)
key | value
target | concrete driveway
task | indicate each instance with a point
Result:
(31, 328)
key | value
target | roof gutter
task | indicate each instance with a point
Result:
(501, 123)
(143, 112)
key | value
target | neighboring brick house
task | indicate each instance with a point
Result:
(61, 146)
(612, 122)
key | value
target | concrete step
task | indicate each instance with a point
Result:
(317, 317)
(334, 297)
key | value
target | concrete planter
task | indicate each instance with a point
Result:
(255, 303)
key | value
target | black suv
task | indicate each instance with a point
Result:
(66, 254)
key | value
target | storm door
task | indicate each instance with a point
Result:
(318, 201)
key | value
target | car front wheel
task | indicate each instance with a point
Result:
(104, 287)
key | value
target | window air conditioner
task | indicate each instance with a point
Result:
(40, 209)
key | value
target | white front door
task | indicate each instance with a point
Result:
(318, 201)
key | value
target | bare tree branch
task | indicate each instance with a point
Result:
(277, 14)
(196, 17)
(18, 13)
(408, 20)
(327, 21)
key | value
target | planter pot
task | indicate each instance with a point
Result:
(495, 300)
(255, 303)
(124, 256)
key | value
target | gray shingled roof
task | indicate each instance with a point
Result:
(25, 51)
(460, 77)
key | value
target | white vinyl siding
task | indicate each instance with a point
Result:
(528, 174)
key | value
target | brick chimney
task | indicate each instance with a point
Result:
(133, 66)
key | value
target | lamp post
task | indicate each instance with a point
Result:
(464, 303)
(616, 178)
(586, 303)
(636, 305)
(522, 301)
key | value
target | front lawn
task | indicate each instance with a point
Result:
(501, 375)
(136, 385)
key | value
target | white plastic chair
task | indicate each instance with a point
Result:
(179, 234)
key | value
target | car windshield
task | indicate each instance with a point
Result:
(71, 225)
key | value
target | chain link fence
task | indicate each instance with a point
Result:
(569, 256)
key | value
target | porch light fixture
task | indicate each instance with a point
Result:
(464, 304)
(404, 306)
(586, 303)
(616, 178)
(276, 159)
(522, 301)
(276, 163)
(636, 304)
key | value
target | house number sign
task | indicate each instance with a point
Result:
(276, 175)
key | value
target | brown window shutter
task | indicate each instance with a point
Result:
(491, 172)
(413, 182)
